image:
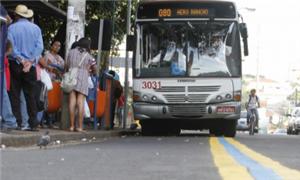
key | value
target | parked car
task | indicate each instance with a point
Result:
(242, 122)
(280, 132)
(294, 121)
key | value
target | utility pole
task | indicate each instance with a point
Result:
(75, 31)
(126, 66)
(75, 22)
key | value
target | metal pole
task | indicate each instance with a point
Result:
(98, 69)
(257, 59)
(126, 66)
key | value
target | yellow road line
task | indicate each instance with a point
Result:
(228, 168)
(284, 172)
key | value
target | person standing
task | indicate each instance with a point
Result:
(26, 38)
(9, 120)
(116, 91)
(80, 57)
(54, 63)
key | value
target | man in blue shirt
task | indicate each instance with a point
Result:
(26, 38)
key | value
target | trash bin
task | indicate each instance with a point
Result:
(54, 97)
(108, 79)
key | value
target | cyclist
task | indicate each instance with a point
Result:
(252, 104)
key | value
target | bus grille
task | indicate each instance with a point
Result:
(171, 89)
(198, 98)
(203, 88)
(175, 98)
(187, 110)
(182, 98)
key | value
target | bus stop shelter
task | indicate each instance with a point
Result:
(40, 8)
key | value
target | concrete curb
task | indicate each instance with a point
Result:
(19, 140)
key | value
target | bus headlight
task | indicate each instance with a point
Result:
(154, 98)
(228, 96)
(219, 98)
(145, 97)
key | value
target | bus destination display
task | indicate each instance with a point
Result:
(184, 12)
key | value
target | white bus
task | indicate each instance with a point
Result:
(187, 66)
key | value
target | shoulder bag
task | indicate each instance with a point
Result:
(69, 79)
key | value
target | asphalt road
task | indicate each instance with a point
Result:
(189, 156)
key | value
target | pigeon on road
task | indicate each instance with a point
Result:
(44, 140)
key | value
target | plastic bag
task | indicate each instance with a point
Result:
(90, 83)
(87, 113)
(45, 78)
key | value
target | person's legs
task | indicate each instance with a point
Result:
(29, 84)
(23, 107)
(15, 89)
(80, 106)
(8, 117)
(40, 116)
(112, 114)
(72, 106)
(257, 117)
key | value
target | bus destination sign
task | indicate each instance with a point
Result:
(184, 12)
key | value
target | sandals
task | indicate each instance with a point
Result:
(72, 129)
(80, 130)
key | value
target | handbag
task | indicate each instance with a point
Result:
(69, 79)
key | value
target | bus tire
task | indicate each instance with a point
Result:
(230, 128)
(147, 128)
(174, 131)
(217, 131)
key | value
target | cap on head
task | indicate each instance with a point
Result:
(22, 10)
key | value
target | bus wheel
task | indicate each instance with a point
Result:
(230, 128)
(147, 128)
(217, 131)
(174, 131)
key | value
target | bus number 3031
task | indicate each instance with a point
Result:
(151, 84)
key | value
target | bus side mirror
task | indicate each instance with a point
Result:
(244, 34)
(130, 43)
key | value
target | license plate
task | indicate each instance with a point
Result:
(225, 109)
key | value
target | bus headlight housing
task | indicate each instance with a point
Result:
(224, 97)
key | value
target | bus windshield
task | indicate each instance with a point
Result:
(188, 49)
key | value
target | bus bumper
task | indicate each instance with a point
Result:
(228, 110)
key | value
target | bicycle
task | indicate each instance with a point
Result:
(252, 122)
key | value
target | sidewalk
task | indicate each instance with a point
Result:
(16, 138)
